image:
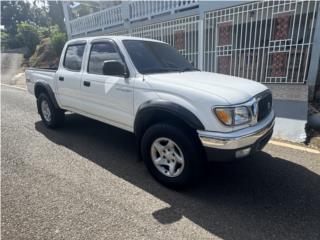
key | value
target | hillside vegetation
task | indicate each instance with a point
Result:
(40, 31)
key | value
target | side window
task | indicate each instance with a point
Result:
(73, 57)
(99, 53)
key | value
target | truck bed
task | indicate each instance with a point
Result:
(34, 75)
(50, 69)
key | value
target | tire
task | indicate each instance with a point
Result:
(186, 172)
(51, 116)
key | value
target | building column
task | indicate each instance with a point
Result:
(315, 57)
(126, 16)
(66, 18)
(201, 34)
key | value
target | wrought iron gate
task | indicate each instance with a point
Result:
(265, 41)
(181, 33)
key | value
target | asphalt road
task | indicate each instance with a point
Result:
(85, 181)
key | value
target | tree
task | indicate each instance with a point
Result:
(40, 14)
(13, 13)
(58, 39)
(28, 35)
(27, 23)
(56, 14)
(16, 12)
(4, 40)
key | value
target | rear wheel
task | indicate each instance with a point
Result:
(51, 116)
(172, 155)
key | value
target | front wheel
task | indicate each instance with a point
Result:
(172, 155)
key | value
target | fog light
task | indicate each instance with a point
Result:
(243, 152)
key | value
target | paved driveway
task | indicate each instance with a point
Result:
(10, 66)
(84, 181)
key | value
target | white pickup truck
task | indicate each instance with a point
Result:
(181, 116)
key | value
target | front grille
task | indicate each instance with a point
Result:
(264, 106)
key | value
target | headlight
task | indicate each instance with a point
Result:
(241, 115)
(233, 116)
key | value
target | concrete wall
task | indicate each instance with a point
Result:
(290, 103)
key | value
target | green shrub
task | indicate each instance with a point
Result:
(28, 35)
(4, 40)
(43, 32)
(9, 41)
(15, 42)
(44, 56)
(58, 39)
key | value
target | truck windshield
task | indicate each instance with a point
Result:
(155, 57)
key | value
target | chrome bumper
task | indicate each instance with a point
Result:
(238, 139)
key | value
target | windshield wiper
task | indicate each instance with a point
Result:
(190, 69)
(169, 69)
(161, 70)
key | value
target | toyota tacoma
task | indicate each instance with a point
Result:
(181, 117)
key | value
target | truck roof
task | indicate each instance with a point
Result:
(89, 39)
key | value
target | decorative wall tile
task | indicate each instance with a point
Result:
(278, 64)
(224, 64)
(282, 26)
(225, 33)
(179, 39)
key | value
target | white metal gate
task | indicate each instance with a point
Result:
(181, 33)
(265, 41)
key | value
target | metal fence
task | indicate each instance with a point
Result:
(121, 33)
(181, 33)
(266, 41)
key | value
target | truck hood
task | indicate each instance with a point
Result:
(232, 89)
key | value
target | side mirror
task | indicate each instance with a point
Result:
(114, 68)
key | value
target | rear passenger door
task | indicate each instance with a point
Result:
(109, 98)
(69, 76)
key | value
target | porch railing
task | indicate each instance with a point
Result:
(131, 11)
(147, 9)
(108, 17)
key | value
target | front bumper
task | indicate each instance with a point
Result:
(239, 143)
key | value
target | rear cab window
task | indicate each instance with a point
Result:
(73, 57)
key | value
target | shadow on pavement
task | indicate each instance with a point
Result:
(258, 198)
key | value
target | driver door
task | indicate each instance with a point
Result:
(109, 98)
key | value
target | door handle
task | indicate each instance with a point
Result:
(61, 78)
(86, 83)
